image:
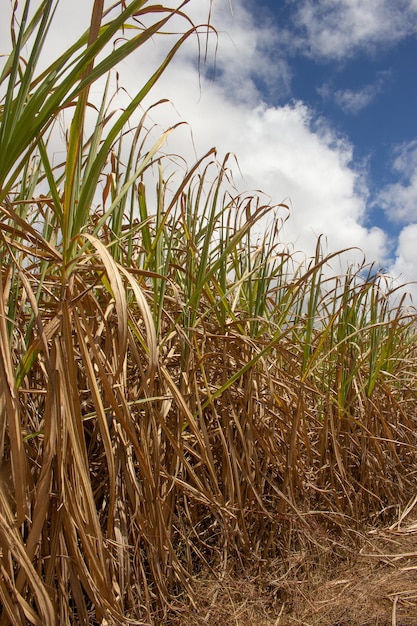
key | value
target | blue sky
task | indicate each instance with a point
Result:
(316, 98)
(365, 85)
(353, 65)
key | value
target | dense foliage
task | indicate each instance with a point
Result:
(175, 395)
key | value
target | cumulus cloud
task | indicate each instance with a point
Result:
(399, 200)
(404, 268)
(286, 151)
(338, 29)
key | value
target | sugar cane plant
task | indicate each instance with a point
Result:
(175, 394)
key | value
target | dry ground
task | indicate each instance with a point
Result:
(369, 581)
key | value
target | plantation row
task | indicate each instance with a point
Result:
(176, 395)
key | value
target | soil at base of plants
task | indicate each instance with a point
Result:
(369, 581)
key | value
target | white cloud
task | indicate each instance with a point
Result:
(338, 29)
(353, 101)
(284, 150)
(399, 200)
(404, 268)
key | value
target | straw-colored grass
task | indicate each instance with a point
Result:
(177, 401)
